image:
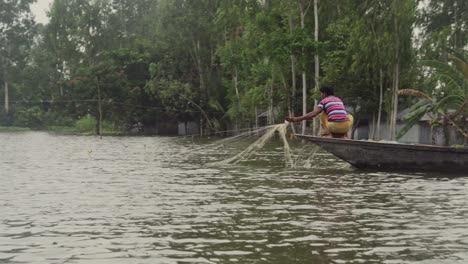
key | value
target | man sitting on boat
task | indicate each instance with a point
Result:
(334, 121)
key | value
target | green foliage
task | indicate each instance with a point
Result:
(453, 81)
(414, 115)
(108, 128)
(17, 29)
(13, 129)
(29, 117)
(62, 129)
(86, 124)
(222, 61)
(53, 118)
(443, 29)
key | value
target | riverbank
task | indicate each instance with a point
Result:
(14, 129)
(78, 130)
(84, 126)
(64, 130)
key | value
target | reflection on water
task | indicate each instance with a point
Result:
(73, 199)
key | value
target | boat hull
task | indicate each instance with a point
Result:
(389, 156)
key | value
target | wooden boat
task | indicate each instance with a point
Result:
(394, 156)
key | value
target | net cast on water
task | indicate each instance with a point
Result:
(269, 132)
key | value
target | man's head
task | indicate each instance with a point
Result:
(327, 90)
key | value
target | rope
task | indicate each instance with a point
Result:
(227, 131)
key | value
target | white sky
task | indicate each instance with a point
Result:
(39, 10)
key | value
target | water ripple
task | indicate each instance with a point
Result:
(73, 199)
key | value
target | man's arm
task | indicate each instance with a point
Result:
(308, 116)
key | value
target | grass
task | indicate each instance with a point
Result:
(75, 130)
(458, 146)
(112, 132)
(62, 129)
(89, 132)
(14, 129)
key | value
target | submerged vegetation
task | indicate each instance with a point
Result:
(120, 65)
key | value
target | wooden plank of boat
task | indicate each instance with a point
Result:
(394, 156)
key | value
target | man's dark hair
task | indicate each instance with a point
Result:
(328, 89)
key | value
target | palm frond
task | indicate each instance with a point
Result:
(424, 107)
(413, 92)
(460, 64)
(450, 83)
(454, 100)
(411, 122)
(215, 105)
(415, 113)
(463, 108)
(424, 104)
(445, 69)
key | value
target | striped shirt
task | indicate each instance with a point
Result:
(334, 108)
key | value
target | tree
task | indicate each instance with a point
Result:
(316, 58)
(403, 19)
(16, 32)
(444, 28)
(451, 94)
(220, 62)
(303, 8)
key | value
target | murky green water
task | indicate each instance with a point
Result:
(74, 199)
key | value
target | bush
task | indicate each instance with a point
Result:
(56, 119)
(86, 124)
(6, 119)
(110, 129)
(62, 129)
(30, 117)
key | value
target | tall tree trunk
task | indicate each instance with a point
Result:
(393, 127)
(373, 130)
(317, 63)
(379, 114)
(236, 88)
(201, 126)
(202, 87)
(256, 119)
(304, 77)
(236, 84)
(396, 77)
(288, 100)
(201, 73)
(99, 124)
(5, 85)
(293, 71)
(62, 68)
(7, 109)
(304, 101)
(271, 120)
(235, 75)
(377, 135)
(395, 103)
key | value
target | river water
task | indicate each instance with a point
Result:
(77, 199)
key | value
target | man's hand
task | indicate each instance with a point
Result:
(291, 119)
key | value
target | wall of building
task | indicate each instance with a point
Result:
(188, 128)
(421, 133)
